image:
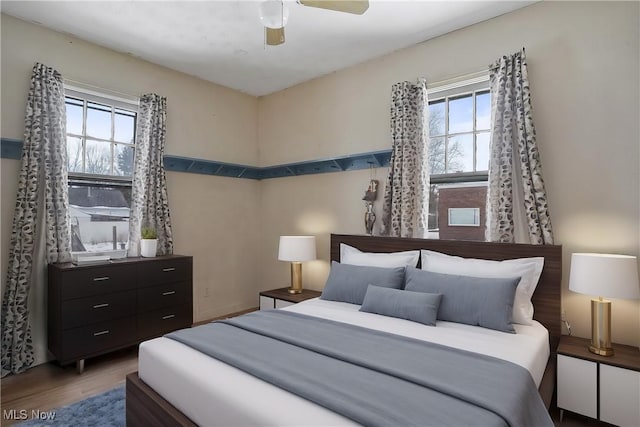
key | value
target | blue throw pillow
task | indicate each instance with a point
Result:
(478, 301)
(415, 306)
(348, 283)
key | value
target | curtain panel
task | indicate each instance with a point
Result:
(406, 195)
(42, 183)
(149, 196)
(516, 198)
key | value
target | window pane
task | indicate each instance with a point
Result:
(124, 126)
(483, 111)
(436, 118)
(433, 212)
(74, 115)
(123, 160)
(74, 154)
(94, 211)
(98, 120)
(436, 155)
(461, 114)
(98, 158)
(464, 216)
(482, 154)
(460, 154)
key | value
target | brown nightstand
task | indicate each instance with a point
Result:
(604, 388)
(279, 298)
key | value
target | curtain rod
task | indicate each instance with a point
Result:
(459, 78)
(462, 77)
(103, 92)
(456, 82)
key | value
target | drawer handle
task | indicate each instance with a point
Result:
(95, 334)
(166, 270)
(171, 316)
(100, 279)
(168, 293)
(101, 305)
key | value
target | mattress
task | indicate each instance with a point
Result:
(211, 392)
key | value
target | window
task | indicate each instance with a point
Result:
(100, 150)
(464, 217)
(459, 131)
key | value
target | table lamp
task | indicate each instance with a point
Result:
(605, 275)
(297, 249)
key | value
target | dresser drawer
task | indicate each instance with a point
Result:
(97, 281)
(99, 308)
(79, 342)
(165, 320)
(156, 297)
(164, 271)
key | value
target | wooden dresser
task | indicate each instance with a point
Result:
(101, 308)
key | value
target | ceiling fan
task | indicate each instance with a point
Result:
(274, 14)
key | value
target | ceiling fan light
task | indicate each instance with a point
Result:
(274, 14)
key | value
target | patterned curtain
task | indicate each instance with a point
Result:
(516, 196)
(149, 197)
(42, 181)
(406, 195)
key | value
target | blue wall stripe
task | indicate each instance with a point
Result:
(11, 149)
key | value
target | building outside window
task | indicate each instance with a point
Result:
(100, 150)
(459, 131)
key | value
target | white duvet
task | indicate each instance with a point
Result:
(212, 393)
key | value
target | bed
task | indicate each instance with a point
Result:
(211, 392)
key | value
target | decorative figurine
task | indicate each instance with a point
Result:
(369, 197)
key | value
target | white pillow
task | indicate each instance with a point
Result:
(353, 256)
(528, 269)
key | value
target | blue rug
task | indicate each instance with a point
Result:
(102, 410)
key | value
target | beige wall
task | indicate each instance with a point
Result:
(214, 218)
(584, 70)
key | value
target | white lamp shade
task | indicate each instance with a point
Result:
(297, 248)
(605, 275)
(274, 14)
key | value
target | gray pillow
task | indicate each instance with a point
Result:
(416, 306)
(348, 283)
(478, 301)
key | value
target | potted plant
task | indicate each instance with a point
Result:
(148, 242)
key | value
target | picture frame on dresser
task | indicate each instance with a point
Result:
(96, 309)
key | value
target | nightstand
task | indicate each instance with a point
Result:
(279, 298)
(603, 388)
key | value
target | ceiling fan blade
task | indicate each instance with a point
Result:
(357, 7)
(274, 36)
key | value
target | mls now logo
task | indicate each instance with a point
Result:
(23, 414)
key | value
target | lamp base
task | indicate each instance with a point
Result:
(601, 327)
(296, 278)
(601, 351)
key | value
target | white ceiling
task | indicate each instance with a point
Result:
(223, 41)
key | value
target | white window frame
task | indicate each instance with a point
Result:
(452, 88)
(90, 94)
(451, 92)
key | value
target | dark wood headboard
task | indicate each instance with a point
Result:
(546, 298)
